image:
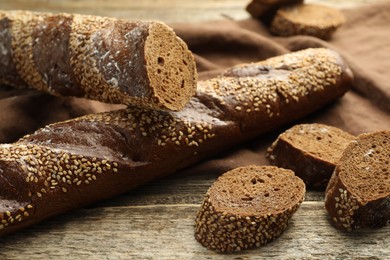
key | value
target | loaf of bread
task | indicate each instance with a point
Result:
(106, 59)
(70, 164)
(358, 194)
(311, 151)
(259, 8)
(307, 19)
(247, 207)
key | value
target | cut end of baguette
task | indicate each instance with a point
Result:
(170, 67)
(311, 151)
(255, 190)
(365, 167)
(247, 207)
(320, 141)
(358, 194)
(307, 19)
(258, 8)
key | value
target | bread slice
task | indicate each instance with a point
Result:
(358, 194)
(259, 8)
(247, 207)
(307, 19)
(311, 151)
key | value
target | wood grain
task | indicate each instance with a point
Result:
(163, 10)
(156, 221)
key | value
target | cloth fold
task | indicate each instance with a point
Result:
(364, 41)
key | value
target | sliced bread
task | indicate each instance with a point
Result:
(307, 19)
(259, 8)
(311, 151)
(247, 207)
(358, 194)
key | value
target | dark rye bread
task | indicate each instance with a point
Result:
(311, 151)
(106, 59)
(358, 194)
(247, 207)
(259, 8)
(307, 19)
(77, 162)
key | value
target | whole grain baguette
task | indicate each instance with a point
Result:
(358, 193)
(312, 151)
(73, 163)
(106, 59)
(248, 207)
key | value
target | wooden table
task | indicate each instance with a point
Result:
(156, 221)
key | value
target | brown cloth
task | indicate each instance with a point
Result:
(364, 41)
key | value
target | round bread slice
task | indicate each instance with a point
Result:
(247, 207)
(358, 194)
(259, 8)
(307, 19)
(311, 151)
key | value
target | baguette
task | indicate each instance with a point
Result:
(70, 164)
(248, 207)
(358, 193)
(106, 59)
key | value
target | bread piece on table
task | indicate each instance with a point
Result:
(311, 151)
(247, 207)
(259, 8)
(74, 163)
(307, 19)
(358, 194)
(106, 59)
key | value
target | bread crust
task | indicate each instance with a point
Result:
(307, 19)
(101, 58)
(234, 222)
(314, 167)
(260, 8)
(349, 208)
(77, 162)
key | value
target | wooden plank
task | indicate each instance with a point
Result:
(167, 11)
(177, 189)
(166, 232)
(163, 10)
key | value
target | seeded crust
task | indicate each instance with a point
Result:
(247, 207)
(307, 19)
(106, 59)
(311, 151)
(259, 8)
(358, 194)
(74, 163)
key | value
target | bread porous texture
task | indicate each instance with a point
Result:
(247, 207)
(307, 19)
(311, 151)
(170, 67)
(358, 194)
